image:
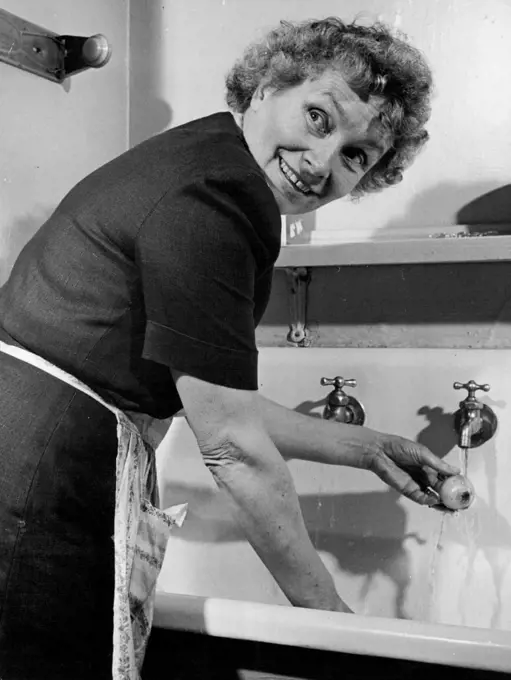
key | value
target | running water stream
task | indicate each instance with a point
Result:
(464, 461)
(449, 516)
(471, 554)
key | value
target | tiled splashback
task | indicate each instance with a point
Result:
(389, 556)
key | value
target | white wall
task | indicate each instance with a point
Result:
(53, 135)
(468, 44)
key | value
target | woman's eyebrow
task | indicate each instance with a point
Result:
(337, 104)
(378, 144)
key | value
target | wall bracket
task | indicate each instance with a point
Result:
(298, 279)
(55, 57)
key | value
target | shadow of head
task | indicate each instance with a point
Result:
(474, 205)
(491, 207)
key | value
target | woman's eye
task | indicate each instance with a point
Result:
(319, 119)
(356, 156)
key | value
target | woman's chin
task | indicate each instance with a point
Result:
(292, 207)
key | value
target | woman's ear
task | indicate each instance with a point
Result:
(260, 94)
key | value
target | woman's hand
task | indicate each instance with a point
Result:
(404, 465)
(409, 467)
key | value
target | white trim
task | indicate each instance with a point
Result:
(398, 250)
(348, 633)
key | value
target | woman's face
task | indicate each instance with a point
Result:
(314, 141)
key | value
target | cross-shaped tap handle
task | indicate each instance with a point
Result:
(339, 382)
(471, 386)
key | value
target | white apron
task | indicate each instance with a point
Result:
(141, 530)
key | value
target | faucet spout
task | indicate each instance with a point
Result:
(471, 424)
(474, 421)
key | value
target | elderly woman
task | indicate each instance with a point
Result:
(146, 285)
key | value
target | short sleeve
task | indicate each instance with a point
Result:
(200, 253)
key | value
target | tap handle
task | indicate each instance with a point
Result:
(338, 382)
(471, 386)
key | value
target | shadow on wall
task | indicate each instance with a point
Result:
(149, 113)
(485, 532)
(491, 206)
(438, 435)
(353, 528)
(435, 206)
(16, 236)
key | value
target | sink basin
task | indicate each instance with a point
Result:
(389, 557)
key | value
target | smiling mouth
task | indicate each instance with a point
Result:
(293, 178)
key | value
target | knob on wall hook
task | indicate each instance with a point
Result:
(83, 53)
(55, 57)
(96, 51)
(298, 280)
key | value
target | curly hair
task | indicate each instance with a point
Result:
(374, 61)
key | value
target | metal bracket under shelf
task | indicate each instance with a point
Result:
(298, 279)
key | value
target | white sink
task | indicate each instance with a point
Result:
(390, 558)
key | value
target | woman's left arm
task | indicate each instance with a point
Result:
(401, 463)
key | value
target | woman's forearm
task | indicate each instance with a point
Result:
(307, 438)
(258, 485)
(249, 469)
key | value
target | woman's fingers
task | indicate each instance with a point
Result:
(402, 481)
(413, 470)
(427, 458)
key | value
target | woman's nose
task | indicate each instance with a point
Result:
(318, 163)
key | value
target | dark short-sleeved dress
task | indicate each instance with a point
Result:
(161, 258)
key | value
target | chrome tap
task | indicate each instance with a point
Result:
(474, 422)
(341, 406)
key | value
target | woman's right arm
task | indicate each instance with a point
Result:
(246, 465)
